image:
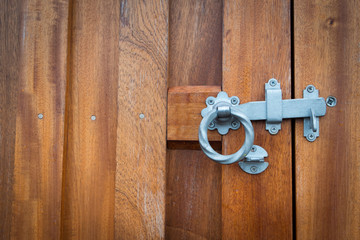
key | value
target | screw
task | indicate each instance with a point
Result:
(253, 149)
(234, 101)
(310, 88)
(212, 124)
(310, 137)
(273, 130)
(141, 116)
(253, 169)
(235, 124)
(331, 101)
(40, 116)
(93, 117)
(272, 82)
(211, 101)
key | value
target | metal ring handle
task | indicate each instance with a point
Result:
(226, 159)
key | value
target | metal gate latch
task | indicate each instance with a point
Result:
(224, 113)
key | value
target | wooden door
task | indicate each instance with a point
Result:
(100, 105)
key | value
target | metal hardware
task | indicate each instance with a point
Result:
(254, 162)
(331, 101)
(204, 142)
(93, 117)
(224, 113)
(40, 116)
(224, 122)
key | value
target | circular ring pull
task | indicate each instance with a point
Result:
(226, 159)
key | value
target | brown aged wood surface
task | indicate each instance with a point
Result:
(141, 131)
(193, 192)
(90, 152)
(327, 54)
(194, 42)
(184, 112)
(256, 47)
(10, 28)
(33, 62)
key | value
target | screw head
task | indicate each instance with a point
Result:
(141, 116)
(93, 117)
(212, 124)
(310, 88)
(253, 149)
(40, 116)
(273, 130)
(272, 82)
(234, 100)
(310, 137)
(210, 101)
(253, 169)
(331, 101)
(235, 124)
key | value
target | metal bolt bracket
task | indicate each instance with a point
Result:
(225, 113)
(223, 104)
(254, 162)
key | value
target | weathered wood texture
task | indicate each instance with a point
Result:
(141, 131)
(327, 54)
(193, 207)
(90, 152)
(10, 39)
(184, 112)
(194, 42)
(194, 196)
(256, 47)
(33, 83)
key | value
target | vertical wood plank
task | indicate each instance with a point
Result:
(89, 186)
(194, 40)
(193, 194)
(327, 55)
(141, 131)
(10, 38)
(256, 47)
(193, 204)
(36, 207)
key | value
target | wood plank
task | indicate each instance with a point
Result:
(141, 131)
(38, 164)
(327, 54)
(10, 29)
(195, 211)
(195, 35)
(184, 112)
(256, 47)
(89, 186)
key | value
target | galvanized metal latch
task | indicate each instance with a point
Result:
(224, 113)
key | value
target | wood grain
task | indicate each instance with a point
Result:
(141, 139)
(38, 160)
(256, 47)
(327, 54)
(193, 195)
(10, 39)
(194, 39)
(195, 36)
(184, 112)
(89, 186)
